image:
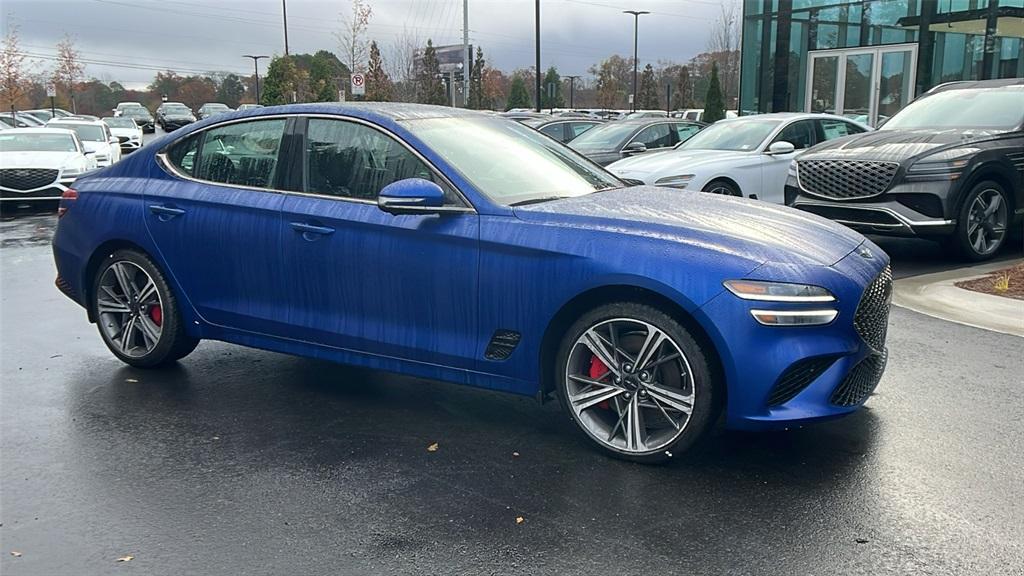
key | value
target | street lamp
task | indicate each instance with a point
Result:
(256, 68)
(636, 27)
(572, 90)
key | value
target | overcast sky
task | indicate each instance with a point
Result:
(129, 40)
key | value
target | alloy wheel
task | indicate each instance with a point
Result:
(986, 221)
(129, 308)
(629, 385)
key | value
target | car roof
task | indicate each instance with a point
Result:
(967, 84)
(74, 121)
(40, 130)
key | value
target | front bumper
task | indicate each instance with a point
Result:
(129, 146)
(171, 125)
(52, 191)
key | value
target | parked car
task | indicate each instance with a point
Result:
(624, 138)
(646, 114)
(95, 137)
(563, 128)
(142, 118)
(38, 164)
(949, 167)
(524, 116)
(412, 244)
(211, 109)
(242, 107)
(20, 120)
(128, 133)
(44, 115)
(697, 114)
(173, 115)
(748, 156)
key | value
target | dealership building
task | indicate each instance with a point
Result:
(868, 58)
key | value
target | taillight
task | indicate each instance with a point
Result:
(69, 195)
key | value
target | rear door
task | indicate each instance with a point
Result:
(217, 222)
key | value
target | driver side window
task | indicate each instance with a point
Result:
(656, 136)
(799, 134)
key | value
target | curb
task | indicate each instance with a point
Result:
(937, 296)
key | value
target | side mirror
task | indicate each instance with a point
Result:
(113, 140)
(781, 147)
(635, 148)
(411, 196)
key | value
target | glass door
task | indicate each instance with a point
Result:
(895, 82)
(865, 84)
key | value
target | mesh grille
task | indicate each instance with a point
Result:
(844, 179)
(797, 377)
(861, 381)
(122, 139)
(26, 178)
(872, 317)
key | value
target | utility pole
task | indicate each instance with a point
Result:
(284, 14)
(636, 28)
(466, 53)
(572, 90)
(537, 75)
(256, 69)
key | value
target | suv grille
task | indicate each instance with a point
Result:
(26, 178)
(122, 139)
(861, 381)
(845, 179)
(872, 317)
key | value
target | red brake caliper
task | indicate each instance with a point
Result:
(597, 371)
(156, 314)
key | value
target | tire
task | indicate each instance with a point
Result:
(978, 237)
(155, 333)
(723, 187)
(604, 407)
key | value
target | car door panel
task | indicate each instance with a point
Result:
(774, 168)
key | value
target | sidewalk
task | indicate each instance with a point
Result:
(936, 295)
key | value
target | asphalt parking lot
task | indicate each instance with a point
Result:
(238, 461)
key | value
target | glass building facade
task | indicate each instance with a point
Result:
(868, 58)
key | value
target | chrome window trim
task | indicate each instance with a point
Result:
(669, 122)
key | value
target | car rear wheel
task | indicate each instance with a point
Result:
(636, 382)
(982, 222)
(723, 187)
(136, 312)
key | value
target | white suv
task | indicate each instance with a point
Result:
(95, 136)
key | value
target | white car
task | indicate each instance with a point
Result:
(128, 133)
(697, 114)
(747, 156)
(95, 136)
(40, 163)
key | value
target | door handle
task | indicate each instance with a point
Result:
(310, 231)
(165, 213)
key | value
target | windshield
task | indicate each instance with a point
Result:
(119, 122)
(177, 110)
(37, 143)
(740, 135)
(508, 162)
(86, 132)
(215, 107)
(999, 109)
(604, 137)
(136, 112)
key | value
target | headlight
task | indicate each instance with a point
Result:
(778, 291)
(791, 176)
(71, 171)
(680, 181)
(944, 165)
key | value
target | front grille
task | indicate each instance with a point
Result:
(122, 139)
(26, 178)
(845, 179)
(872, 317)
(861, 381)
(797, 377)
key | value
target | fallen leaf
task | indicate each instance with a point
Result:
(15, 553)
(520, 519)
(131, 380)
(862, 540)
(125, 558)
(515, 454)
(432, 447)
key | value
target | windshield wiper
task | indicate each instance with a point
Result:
(538, 200)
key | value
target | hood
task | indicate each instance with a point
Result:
(92, 146)
(671, 162)
(124, 132)
(33, 159)
(891, 145)
(751, 229)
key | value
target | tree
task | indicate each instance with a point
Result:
(352, 36)
(518, 95)
(69, 68)
(327, 74)
(714, 107)
(551, 90)
(723, 46)
(401, 65)
(230, 90)
(429, 89)
(478, 100)
(495, 86)
(612, 75)
(13, 78)
(683, 97)
(378, 83)
(197, 90)
(648, 90)
(165, 83)
(282, 81)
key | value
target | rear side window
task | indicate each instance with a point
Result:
(243, 154)
(837, 129)
(684, 131)
(655, 136)
(183, 154)
(580, 127)
(556, 131)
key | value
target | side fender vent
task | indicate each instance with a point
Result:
(502, 344)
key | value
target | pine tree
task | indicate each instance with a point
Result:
(477, 99)
(429, 89)
(518, 95)
(378, 84)
(714, 108)
(552, 81)
(648, 90)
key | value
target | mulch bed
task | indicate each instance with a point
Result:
(987, 285)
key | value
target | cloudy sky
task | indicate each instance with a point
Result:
(129, 40)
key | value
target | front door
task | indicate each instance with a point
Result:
(362, 279)
(866, 84)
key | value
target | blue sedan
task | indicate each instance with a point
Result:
(456, 246)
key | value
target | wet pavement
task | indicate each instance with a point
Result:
(239, 461)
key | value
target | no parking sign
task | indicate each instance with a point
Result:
(358, 84)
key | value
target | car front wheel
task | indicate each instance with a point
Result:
(723, 187)
(636, 382)
(982, 222)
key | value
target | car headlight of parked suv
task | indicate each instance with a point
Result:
(944, 165)
(680, 181)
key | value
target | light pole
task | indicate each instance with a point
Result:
(636, 28)
(256, 69)
(284, 18)
(537, 35)
(572, 90)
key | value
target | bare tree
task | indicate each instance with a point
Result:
(724, 45)
(401, 65)
(13, 76)
(69, 67)
(352, 36)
